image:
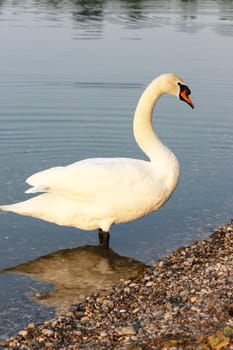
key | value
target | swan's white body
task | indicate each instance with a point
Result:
(96, 193)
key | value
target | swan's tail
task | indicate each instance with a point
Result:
(21, 208)
(48, 207)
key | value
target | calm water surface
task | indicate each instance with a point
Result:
(70, 77)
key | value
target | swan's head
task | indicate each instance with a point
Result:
(174, 85)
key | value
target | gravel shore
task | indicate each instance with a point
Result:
(185, 301)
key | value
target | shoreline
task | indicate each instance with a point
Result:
(185, 301)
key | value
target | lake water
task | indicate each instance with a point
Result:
(70, 76)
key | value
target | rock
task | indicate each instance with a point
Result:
(128, 330)
(23, 333)
(193, 300)
(47, 332)
(31, 325)
(228, 331)
(149, 284)
(103, 334)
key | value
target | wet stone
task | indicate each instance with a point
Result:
(23, 333)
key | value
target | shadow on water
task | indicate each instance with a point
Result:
(77, 273)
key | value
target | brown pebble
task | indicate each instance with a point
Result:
(31, 325)
(128, 330)
(47, 332)
(103, 334)
(193, 300)
(23, 333)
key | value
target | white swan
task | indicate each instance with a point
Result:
(96, 193)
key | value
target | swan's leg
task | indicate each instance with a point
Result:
(104, 238)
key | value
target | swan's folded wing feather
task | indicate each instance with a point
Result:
(36, 189)
(90, 177)
(40, 181)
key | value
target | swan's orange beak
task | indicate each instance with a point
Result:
(184, 96)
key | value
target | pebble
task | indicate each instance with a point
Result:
(103, 334)
(182, 302)
(128, 330)
(23, 333)
(149, 284)
(31, 325)
(47, 332)
(193, 300)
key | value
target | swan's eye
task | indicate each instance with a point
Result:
(184, 94)
(184, 88)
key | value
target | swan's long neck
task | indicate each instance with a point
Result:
(144, 133)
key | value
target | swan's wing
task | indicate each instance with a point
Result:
(40, 181)
(91, 177)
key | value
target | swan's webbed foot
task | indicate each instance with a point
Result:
(104, 238)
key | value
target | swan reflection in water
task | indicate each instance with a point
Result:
(77, 273)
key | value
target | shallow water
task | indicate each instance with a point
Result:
(71, 75)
